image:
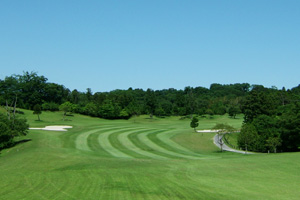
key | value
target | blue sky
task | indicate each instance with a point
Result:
(158, 44)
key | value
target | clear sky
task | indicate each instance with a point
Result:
(157, 44)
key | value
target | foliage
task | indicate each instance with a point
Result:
(6, 138)
(273, 112)
(290, 128)
(257, 103)
(273, 143)
(66, 107)
(151, 102)
(51, 106)
(221, 130)
(37, 110)
(10, 128)
(194, 123)
(247, 139)
(109, 110)
(233, 111)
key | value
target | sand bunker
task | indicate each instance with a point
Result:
(53, 128)
(207, 131)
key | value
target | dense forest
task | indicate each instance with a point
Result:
(271, 114)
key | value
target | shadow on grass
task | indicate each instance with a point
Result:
(21, 142)
(13, 144)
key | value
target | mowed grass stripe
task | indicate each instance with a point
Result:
(115, 142)
(125, 141)
(166, 138)
(96, 148)
(141, 144)
(166, 143)
(145, 139)
(104, 142)
(81, 141)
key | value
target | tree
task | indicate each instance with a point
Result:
(194, 123)
(51, 106)
(257, 103)
(273, 143)
(32, 88)
(210, 113)
(5, 136)
(233, 111)
(151, 102)
(89, 94)
(159, 111)
(109, 110)
(290, 128)
(124, 114)
(247, 139)
(10, 128)
(65, 107)
(190, 103)
(37, 110)
(91, 109)
(222, 129)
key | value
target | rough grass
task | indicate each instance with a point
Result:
(140, 158)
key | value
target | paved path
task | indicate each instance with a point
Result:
(225, 147)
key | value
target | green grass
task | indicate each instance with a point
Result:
(140, 158)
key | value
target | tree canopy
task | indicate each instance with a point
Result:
(274, 113)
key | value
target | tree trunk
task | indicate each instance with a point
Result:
(7, 110)
(220, 142)
(15, 109)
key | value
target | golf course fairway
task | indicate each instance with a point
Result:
(139, 158)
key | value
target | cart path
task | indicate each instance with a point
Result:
(225, 147)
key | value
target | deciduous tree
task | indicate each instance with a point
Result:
(221, 130)
(37, 110)
(65, 107)
(194, 123)
(248, 137)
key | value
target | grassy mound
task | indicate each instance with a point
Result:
(140, 158)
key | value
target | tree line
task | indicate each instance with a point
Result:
(32, 89)
(271, 115)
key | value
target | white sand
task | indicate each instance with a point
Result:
(53, 128)
(207, 131)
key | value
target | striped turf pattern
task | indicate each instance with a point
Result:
(133, 143)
